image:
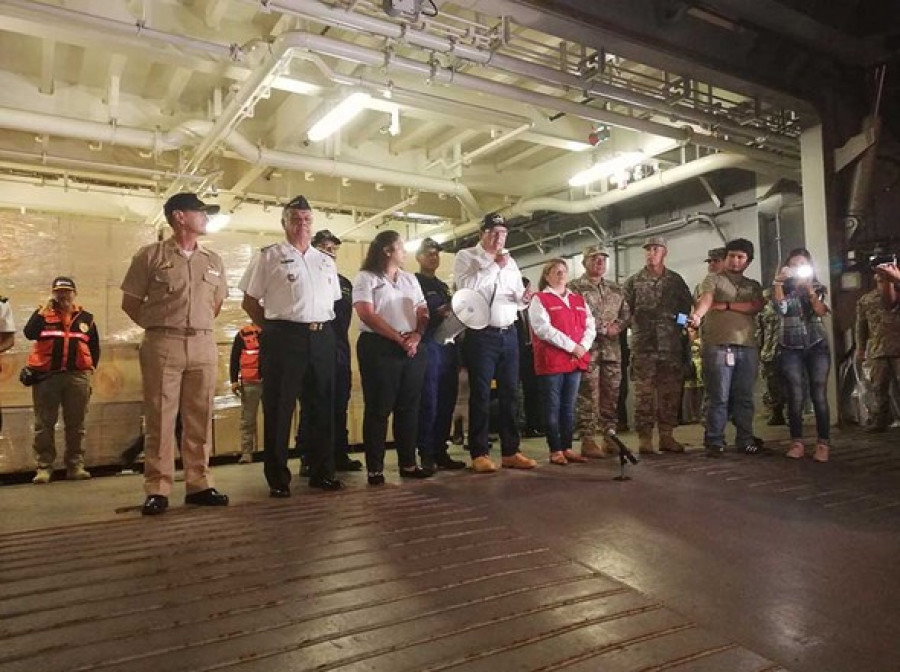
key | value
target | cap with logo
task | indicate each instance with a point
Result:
(429, 244)
(715, 254)
(186, 202)
(62, 282)
(298, 203)
(491, 220)
(324, 236)
(655, 240)
(593, 250)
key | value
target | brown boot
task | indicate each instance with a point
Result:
(589, 448)
(645, 443)
(668, 443)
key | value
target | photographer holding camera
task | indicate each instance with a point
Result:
(800, 299)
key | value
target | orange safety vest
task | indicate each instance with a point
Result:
(61, 347)
(250, 354)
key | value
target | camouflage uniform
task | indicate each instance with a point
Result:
(598, 396)
(768, 323)
(657, 348)
(878, 334)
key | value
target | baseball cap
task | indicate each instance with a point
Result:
(491, 220)
(716, 254)
(655, 240)
(324, 236)
(429, 244)
(298, 203)
(591, 250)
(62, 282)
(187, 201)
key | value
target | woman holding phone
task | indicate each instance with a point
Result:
(800, 300)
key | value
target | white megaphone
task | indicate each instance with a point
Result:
(468, 310)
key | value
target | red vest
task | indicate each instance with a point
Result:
(61, 347)
(548, 359)
(250, 354)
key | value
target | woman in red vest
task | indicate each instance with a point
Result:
(65, 353)
(563, 330)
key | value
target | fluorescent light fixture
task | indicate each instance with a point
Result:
(604, 169)
(217, 222)
(339, 116)
(296, 86)
(418, 215)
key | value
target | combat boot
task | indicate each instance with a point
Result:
(589, 448)
(645, 443)
(668, 443)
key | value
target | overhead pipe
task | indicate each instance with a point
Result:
(93, 131)
(379, 215)
(486, 148)
(412, 35)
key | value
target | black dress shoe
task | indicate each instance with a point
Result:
(444, 461)
(418, 472)
(375, 479)
(343, 462)
(208, 497)
(280, 493)
(324, 483)
(154, 505)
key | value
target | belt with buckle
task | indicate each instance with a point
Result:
(180, 331)
(499, 330)
(313, 326)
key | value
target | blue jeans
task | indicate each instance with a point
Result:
(734, 382)
(816, 362)
(559, 392)
(438, 399)
(492, 354)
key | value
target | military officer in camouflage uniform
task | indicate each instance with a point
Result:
(768, 322)
(655, 296)
(878, 347)
(598, 395)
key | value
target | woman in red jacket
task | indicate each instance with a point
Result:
(563, 330)
(65, 352)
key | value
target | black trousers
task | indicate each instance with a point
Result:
(342, 382)
(296, 361)
(392, 383)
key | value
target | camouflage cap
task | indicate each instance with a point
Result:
(592, 250)
(716, 254)
(655, 240)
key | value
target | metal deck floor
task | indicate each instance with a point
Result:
(731, 565)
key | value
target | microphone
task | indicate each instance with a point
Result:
(625, 455)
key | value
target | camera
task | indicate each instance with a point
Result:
(876, 260)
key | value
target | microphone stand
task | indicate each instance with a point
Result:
(625, 456)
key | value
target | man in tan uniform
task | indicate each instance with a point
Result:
(174, 289)
(597, 409)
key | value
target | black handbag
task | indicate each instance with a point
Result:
(29, 376)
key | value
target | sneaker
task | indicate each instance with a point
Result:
(572, 456)
(557, 458)
(375, 478)
(483, 465)
(796, 451)
(42, 476)
(715, 451)
(78, 474)
(518, 461)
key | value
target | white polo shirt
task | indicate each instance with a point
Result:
(502, 288)
(394, 301)
(7, 325)
(293, 285)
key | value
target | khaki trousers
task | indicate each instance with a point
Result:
(179, 373)
(72, 391)
(251, 393)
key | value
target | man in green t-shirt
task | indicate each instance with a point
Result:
(729, 301)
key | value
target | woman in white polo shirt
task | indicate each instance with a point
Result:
(393, 316)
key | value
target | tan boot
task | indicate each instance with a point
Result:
(645, 443)
(589, 448)
(668, 443)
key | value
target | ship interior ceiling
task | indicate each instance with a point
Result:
(583, 123)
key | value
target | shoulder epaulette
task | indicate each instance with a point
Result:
(267, 247)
